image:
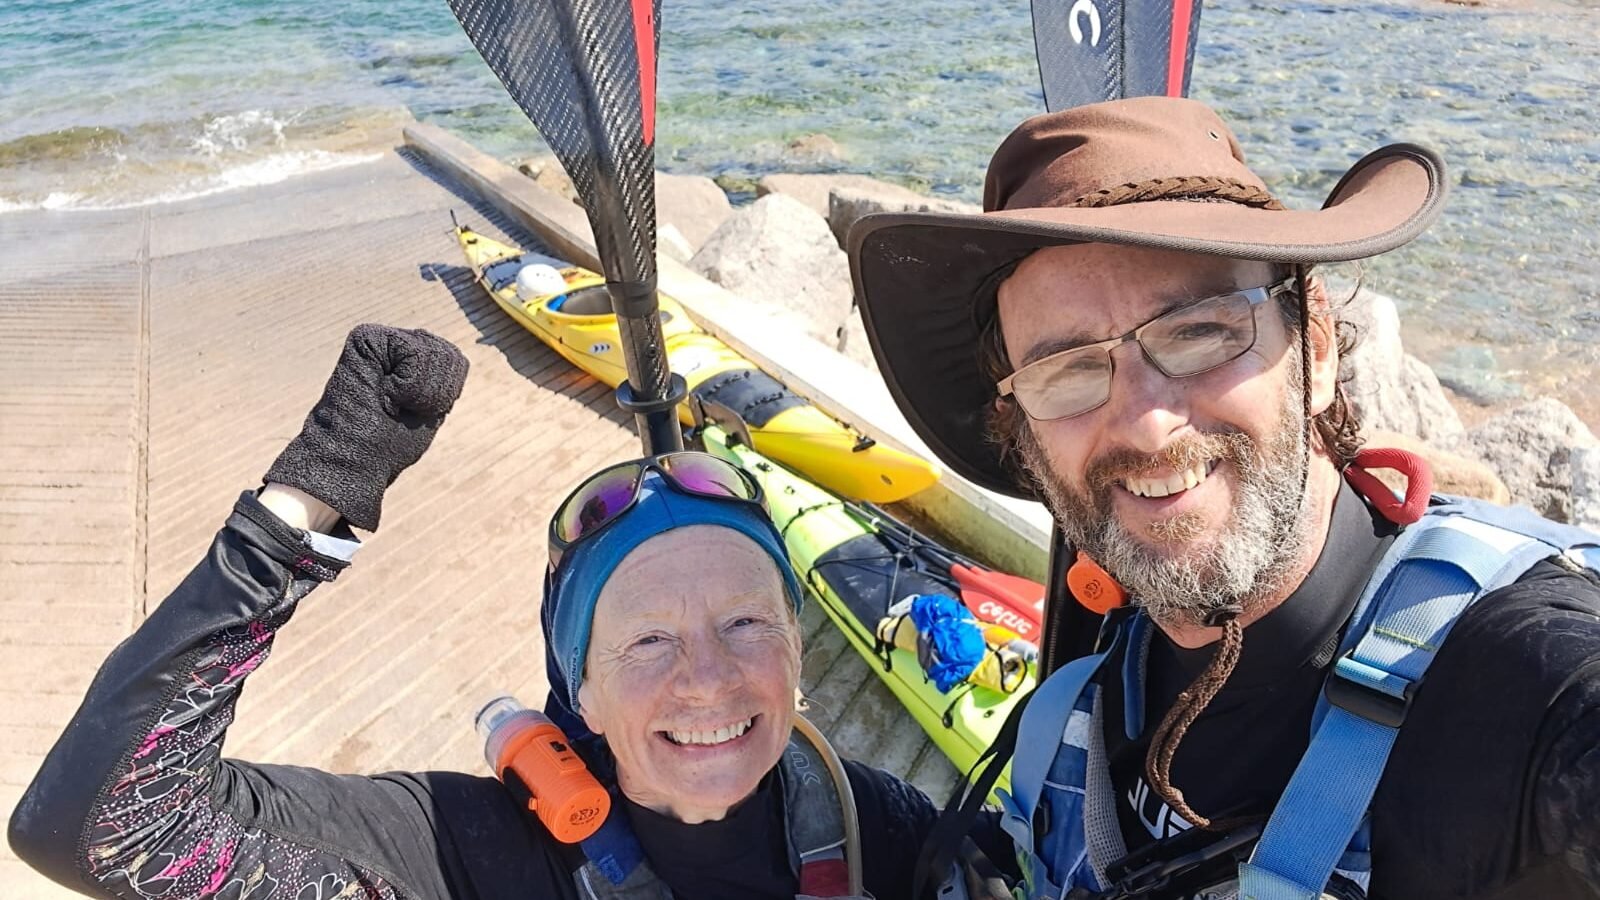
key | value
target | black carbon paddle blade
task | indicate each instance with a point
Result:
(584, 71)
(1090, 51)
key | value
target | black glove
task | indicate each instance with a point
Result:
(385, 399)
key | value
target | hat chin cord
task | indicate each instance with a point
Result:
(1193, 700)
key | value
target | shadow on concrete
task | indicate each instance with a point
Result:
(524, 352)
(474, 209)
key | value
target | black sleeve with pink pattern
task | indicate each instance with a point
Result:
(135, 800)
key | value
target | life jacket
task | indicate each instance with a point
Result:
(816, 799)
(1060, 809)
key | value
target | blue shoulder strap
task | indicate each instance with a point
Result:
(1043, 724)
(1054, 709)
(614, 849)
(1435, 570)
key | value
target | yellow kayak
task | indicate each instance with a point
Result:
(575, 320)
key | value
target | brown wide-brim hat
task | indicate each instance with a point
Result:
(1156, 172)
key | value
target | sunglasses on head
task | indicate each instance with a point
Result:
(610, 493)
(1189, 340)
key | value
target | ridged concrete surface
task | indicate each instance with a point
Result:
(152, 364)
(71, 376)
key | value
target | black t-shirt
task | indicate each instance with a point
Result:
(1266, 702)
(716, 857)
(1493, 787)
(745, 856)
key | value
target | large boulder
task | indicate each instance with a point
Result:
(1391, 389)
(691, 203)
(1452, 472)
(855, 343)
(813, 189)
(671, 244)
(1531, 448)
(846, 204)
(779, 251)
(1586, 487)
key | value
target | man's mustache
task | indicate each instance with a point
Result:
(1116, 466)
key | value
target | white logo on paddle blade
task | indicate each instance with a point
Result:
(1087, 9)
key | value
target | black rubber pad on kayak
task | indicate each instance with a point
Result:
(870, 577)
(756, 396)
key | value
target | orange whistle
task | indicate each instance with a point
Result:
(531, 756)
(1094, 587)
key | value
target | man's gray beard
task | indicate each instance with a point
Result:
(1250, 559)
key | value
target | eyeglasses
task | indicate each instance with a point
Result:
(1189, 340)
(609, 493)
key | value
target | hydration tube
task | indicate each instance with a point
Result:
(847, 798)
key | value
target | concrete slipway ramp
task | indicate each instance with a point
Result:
(154, 360)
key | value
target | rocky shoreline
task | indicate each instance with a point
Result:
(785, 250)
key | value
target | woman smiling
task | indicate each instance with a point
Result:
(671, 622)
(673, 651)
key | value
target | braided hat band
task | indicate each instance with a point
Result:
(1183, 187)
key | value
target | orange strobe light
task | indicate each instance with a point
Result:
(531, 756)
(1094, 587)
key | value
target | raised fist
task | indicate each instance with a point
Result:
(387, 396)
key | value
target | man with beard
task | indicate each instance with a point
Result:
(1133, 333)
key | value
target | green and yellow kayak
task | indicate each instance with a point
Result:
(857, 570)
(578, 324)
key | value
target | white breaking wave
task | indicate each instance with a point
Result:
(254, 173)
(55, 200)
(268, 170)
(239, 131)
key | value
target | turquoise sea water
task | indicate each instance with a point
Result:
(110, 102)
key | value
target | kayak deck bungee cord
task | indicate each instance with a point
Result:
(575, 319)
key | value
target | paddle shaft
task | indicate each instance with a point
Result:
(584, 72)
(652, 393)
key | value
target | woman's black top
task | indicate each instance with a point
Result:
(136, 801)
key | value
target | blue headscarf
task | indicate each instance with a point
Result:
(573, 588)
